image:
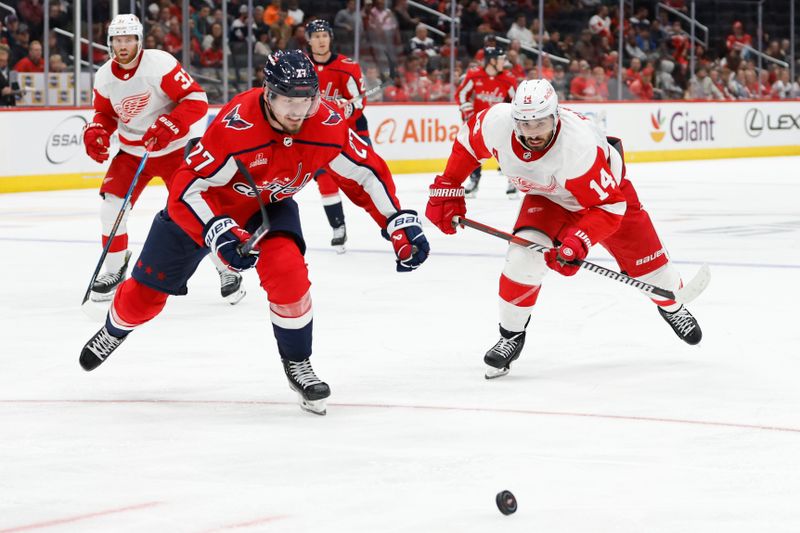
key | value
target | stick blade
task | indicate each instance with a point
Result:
(695, 287)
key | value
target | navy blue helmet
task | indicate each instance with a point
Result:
(291, 73)
(318, 25)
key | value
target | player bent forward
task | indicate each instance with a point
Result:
(282, 135)
(577, 195)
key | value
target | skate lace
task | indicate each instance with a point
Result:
(339, 232)
(682, 320)
(303, 374)
(109, 278)
(228, 278)
(103, 344)
(505, 347)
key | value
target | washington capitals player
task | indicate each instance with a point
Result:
(480, 89)
(282, 135)
(577, 195)
(151, 101)
(341, 83)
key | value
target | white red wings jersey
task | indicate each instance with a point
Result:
(130, 101)
(483, 90)
(340, 77)
(578, 170)
(209, 184)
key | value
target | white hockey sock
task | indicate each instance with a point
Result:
(115, 260)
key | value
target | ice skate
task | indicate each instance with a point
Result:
(99, 347)
(339, 238)
(683, 324)
(106, 284)
(471, 188)
(230, 286)
(502, 354)
(511, 191)
(311, 390)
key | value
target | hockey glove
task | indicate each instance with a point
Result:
(410, 245)
(224, 237)
(163, 131)
(96, 139)
(565, 258)
(446, 201)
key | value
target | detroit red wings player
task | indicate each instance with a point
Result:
(576, 195)
(151, 102)
(340, 83)
(480, 89)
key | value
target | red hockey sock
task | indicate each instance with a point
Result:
(134, 304)
(517, 293)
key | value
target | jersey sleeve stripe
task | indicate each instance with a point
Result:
(617, 208)
(192, 194)
(368, 179)
(329, 145)
(196, 95)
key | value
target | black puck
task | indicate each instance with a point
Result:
(506, 502)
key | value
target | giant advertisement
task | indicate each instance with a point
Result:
(42, 149)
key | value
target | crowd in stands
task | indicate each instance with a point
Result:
(408, 51)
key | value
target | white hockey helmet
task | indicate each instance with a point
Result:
(534, 100)
(125, 24)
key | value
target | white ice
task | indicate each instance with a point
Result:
(607, 423)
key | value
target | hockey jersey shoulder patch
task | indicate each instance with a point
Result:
(333, 119)
(234, 120)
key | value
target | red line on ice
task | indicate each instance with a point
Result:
(67, 520)
(534, 412)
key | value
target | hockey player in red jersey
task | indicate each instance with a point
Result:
(480, 89)
(576, 195)
(281, 135)
(342, 84)
(151, 102)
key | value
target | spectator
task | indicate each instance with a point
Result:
(347, 18)
(719, 83)
(535, 25)
(642, 87)
(384, 34)
(738, 37)
(600, 23)
(600, 83)
(299, 39)
(57, 63)
(173, 41)
(271, 12)
(405, 22)
(281, 31)
(665, 82)
(33, 62)
(559, 82)
(640, 19)
(20, 42)
(32, 12)
(584, 48)
(238, 28)
(421, 44)
(701, 87)
(396, 92)
(262, 47)
(633, 71)
(372, 80)
(519, 30)
(782, 88)
(7, 97)
(582, 86)
(202, 22)
(295, 13)
(493, 17)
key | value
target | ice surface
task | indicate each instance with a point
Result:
(607, 423)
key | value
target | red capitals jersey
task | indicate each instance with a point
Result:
(483, 90)
(208, 184)
(340, 77)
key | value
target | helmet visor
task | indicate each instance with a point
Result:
(534, 128)
(294, 107)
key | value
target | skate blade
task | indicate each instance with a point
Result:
(492, 372)
(316, 407)
(339, 249)
(236, 297)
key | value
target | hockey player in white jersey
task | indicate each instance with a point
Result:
(576, 195)
(151, 102)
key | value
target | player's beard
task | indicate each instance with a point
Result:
(538, 143)
(291, 128)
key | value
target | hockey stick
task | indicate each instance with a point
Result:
(117, 222)
(366, 93)
(261, 232)
(685, 294)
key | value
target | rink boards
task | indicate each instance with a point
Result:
(43, 150)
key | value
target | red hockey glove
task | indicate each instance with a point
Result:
(96, 139)
(574, 246)
(467, 111)
(224, 236)
(446, 201)
(163, 131)
(410, 245)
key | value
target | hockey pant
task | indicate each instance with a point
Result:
(635, 246)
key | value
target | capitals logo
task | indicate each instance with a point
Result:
(657, 121)
(278, 188)
(333, 119)
(234, 121)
